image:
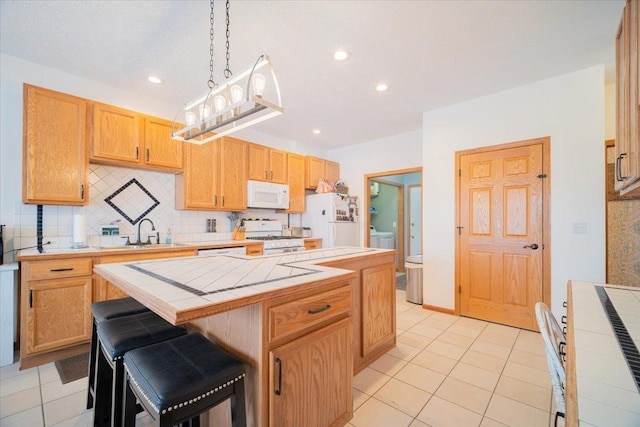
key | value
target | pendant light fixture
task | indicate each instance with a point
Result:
(242, 100)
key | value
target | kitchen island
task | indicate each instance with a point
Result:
(302, 322)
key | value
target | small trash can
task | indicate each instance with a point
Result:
(413, 265)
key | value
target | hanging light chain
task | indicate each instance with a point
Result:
(211, 82)
(227, 71)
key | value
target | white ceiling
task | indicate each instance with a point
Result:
(430, 53)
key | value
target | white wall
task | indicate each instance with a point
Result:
(571, 110)
(396, 152)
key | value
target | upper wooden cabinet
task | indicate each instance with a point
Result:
(54, 160)
(332, 171)
(317, 169)
(267, 164)
(295, 174)
(627, 167)
(125, 138)
(214, 177)
(160, 149)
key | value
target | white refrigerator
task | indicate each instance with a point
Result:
(334, 218)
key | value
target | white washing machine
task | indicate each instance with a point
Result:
(383, 239)
(374, 240)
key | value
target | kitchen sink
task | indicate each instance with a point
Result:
(152, 246)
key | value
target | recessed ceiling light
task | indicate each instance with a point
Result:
(316, 131)
(341, 55)
(381, 87)
(155, 79)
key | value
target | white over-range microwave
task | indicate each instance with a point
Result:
(267, 195)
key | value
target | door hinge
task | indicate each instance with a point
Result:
(459, 229)
(30, 299)
(459, 172)
(459, 289)
(542, 175)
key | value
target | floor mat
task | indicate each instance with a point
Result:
(73, 368)
(401, 282)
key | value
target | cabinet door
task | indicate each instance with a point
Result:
(295, 174)
(117, 135)
(311, 379)
(278, 166)
(627, 139)
(58, 313)
(160, 150)
(233, 174)
(258, 162)
(378, 306)
(54, 148)
(195, 185)
(314, 171)
(332, 172)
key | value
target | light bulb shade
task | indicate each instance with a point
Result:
(204, 111)
(253, 96)
(236, 93)
(258, 82)
(189, 118)
(219, 102)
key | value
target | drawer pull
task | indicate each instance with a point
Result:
(61, 269)
(279, 389)
(319, 310)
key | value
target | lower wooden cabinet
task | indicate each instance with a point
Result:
(311, 379)
(55, 305)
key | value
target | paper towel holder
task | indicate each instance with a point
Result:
(79, 232)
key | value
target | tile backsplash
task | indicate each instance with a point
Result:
(104, 181)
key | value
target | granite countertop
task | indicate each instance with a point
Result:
(183, 289)
(33, 254)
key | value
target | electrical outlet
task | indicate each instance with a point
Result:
(394, 224)
(579, 227)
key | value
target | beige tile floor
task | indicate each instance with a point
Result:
(444, 371)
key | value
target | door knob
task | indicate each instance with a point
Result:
(533, 246)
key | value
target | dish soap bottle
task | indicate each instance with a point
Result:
(168, 238)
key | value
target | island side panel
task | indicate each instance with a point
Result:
(241, 332)
(376, 279)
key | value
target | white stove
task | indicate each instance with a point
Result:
(270, 233)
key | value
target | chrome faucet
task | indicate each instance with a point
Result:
(153, 228)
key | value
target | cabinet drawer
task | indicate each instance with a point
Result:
(41, 270)
(307, 313)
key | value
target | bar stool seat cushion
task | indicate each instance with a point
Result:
(176, 373)
(120, 307)
(117, 336)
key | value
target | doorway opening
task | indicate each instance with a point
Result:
(393, 212)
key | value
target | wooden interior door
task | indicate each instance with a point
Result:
(501, 234)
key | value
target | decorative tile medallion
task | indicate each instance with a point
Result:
(132, 201)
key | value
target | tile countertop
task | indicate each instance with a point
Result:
(33, 254)
(184, 289)
(604, 384)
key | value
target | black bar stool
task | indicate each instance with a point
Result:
(175, 381)
(116, 337)
(101, 311)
